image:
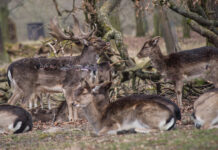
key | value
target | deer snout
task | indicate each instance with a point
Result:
(139, 55)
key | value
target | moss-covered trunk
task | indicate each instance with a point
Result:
(185, 28)
(4, 58)
(156, 22)
(100, 16)
(141, 22)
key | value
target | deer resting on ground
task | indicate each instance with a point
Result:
(184, 65)
(130, 113)
(31, 76)
(15, 119)
(205, 113)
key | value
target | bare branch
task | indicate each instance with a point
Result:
(204, 32)
(56, 7)
(186, 13)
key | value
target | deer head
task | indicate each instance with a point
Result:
(87, 39)
(147, 47)
(92, 93)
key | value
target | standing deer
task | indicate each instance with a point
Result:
(184, 65)
(15, 119)
(131, 112)
(205, 113)
(31, 76)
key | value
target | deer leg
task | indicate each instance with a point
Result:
(35, 102)
(16, 96)
(39, 97)
(28, 97)
(178, 88)
(68, 96)
(48, 100)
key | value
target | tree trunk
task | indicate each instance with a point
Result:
(4, 13)
(4, 58)
(169, 33)
(212, 12)
(141, 22)
(115, 20)
(156, 22)
(105, 28)
(185, 28)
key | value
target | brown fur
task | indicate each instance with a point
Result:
(206, 110)
(123, 114)
(184, 65)
(30, 76)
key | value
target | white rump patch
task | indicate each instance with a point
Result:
(164, 126)
(26, 129)
(10, 76)
(11, 126)
(13, 83)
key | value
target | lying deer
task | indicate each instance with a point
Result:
(139, 113)
(205, 113)
(31, 76)
(15, 119)
(184, 65)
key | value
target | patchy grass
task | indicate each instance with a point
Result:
(75, 139)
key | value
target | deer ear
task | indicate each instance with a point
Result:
(106, 85)
(155, 40)
(102, 87)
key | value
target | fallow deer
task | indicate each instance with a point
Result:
(15, 119)
(139, 114)
(30, 76)
(205, 113)
(184, 65)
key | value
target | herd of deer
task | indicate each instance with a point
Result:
(86, 84)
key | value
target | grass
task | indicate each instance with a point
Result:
(74, 139)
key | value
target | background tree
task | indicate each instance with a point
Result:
(3, 29)
(141, 21)
(201, 16)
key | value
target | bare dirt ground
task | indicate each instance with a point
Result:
(78, 136)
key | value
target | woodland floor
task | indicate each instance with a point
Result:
(77, 135)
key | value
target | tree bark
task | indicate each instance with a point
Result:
(4, 58)
(185, 28)
(105, 28)
(199, 17)
(141, 22)
(156, 22)
(169, 33)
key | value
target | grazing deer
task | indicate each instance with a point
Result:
(31, 76)
(184, 65)
(205, 113)
(15, 119)
(138, 113)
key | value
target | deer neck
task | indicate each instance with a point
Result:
(93, 115)
(157, 59)
(88, 57)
